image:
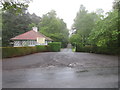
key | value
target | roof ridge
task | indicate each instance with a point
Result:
(31, 34)
(22, 34)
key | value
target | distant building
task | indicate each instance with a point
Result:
(31, 38)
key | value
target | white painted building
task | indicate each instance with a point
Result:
(31, 38)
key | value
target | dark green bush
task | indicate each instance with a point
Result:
(73, 44)
(20, 51)
(17, 51)
(42, 48)
(81, 48)
(64, 44)
(98, 50)
(107, 50)
(55, 46)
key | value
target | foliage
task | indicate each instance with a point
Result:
(17, 51)
(13, 25)
(116, 4)
(35, 19)
(16, 5)
(20, 51)
(74, 39)
(81, 48)
(54, 27)
(55, 46)
(97, 49)
(106, 32)
(59, 37)
(42, 48)
(84, 23)
(101, 35)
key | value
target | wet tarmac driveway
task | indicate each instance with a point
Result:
(65, 69)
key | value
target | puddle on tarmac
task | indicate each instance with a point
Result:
(51, 73)
(53, 76)
(42, 74)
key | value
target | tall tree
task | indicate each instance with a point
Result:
(105, 33)
(116, 4)
(54, 27)
(84, 23)
(98, 30)
(13, 25)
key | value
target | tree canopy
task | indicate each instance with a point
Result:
(54, 27)
(16, 5)
(49, 24)
(13, 25)
(97, 29)
(84, 23)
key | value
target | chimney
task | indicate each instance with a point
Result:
(35, 29)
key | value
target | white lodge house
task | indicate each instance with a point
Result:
(31, 38)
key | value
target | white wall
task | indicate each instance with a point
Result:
(29, 43)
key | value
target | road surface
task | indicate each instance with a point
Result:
(65, 69)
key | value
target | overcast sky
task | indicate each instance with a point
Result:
(67, 9)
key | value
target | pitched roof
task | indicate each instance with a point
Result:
(30, 35)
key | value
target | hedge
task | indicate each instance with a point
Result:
(81, 48)
(55, 46)
(20, 51)
(17, 51)
(98, 50)
(42, 48)
(106, 50)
